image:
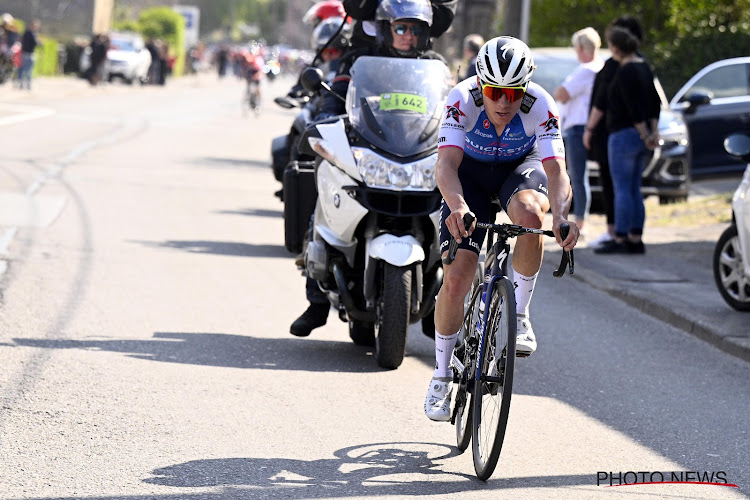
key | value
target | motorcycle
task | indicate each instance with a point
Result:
(731, 260)
(374, 238)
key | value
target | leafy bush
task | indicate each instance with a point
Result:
(46, 57)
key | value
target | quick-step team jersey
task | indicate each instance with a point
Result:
(465, 125)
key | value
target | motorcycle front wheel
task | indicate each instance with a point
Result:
(393, 317)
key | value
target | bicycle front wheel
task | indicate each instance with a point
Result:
(494, 382)
(466, 353)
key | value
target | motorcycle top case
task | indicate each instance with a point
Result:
(300, 195)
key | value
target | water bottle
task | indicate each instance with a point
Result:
(482, 299)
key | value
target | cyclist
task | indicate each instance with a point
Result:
(403, 30)
(253, 68)
(499, 137)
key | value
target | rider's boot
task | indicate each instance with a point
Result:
(315, 316)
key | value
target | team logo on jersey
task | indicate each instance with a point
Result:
(550, 123)
(476, 93)
(528, 101)
(486, 124)
(455, 112)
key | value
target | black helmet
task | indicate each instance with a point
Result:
(390, 11)
(327, 28)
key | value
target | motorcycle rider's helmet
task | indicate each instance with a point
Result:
(505, 61)
(390, 11)
(326, 30)
(322, 11)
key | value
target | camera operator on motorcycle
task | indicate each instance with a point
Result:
(499, 138)
(402, 30)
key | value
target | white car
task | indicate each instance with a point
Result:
(732, 253)
(127, 58)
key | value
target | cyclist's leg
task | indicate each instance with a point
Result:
(525, 201)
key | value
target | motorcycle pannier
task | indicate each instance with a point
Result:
(300, 195)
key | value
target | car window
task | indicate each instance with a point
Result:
(550, 73)
(122, 44)
(725, 81)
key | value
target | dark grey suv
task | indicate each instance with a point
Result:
(667, 174)
(715, 103)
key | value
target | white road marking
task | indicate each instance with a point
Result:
(23, 113)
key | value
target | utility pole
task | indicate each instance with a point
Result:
(517, 14)
(102, 16)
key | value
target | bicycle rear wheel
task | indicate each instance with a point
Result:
(494, 384)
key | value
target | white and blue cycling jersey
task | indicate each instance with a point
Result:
(465, 125)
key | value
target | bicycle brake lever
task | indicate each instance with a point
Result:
(567, 256)
(453, 245)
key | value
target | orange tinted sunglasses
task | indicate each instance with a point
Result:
(495, 92)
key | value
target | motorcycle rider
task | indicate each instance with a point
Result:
(499, 137)
(402, 30)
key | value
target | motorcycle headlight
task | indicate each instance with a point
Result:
(380, 172)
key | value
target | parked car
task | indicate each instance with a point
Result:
(731, 260)
(667, 173)
(127, 58)
(715, 102)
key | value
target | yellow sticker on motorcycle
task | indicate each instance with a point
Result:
(403, 102)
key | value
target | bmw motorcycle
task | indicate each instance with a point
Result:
(731, 260)
(374, 238)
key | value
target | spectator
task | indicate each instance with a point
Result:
(472, 44)
(633, 107)
(99, 48)
(9, 34)
(595, 135)
(29, 42)
(574, 96)
(154, 69)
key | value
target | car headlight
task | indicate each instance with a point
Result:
(380, 172)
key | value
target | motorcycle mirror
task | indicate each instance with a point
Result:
(284, 102)
(312, 79)
(738, 145)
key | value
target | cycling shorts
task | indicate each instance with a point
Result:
(481, 182)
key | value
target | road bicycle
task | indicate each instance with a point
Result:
(484, 357)
(250, 99)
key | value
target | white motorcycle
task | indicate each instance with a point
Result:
(732, 253)
(374, 243)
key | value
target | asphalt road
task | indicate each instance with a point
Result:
(146, 299)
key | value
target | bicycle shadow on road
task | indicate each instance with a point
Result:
(228, 351)
(382, 469)
(230, 248)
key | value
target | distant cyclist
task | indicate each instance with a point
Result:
(253, 68)
(499, 138)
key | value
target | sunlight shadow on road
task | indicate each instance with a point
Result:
(232, 248)
(229, 351)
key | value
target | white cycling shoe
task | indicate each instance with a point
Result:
(437, 404)
(525, 339)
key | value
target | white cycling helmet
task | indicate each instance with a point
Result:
(505, 61)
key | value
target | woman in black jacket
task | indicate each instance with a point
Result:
(632, 117)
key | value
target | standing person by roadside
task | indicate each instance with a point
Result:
(29, 42)
(574, 96)
(632, 120)
(472, 44)
(154, 69)
(595, 136)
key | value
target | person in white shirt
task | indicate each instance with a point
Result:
(574, 97)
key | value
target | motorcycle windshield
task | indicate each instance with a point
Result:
(396, 104)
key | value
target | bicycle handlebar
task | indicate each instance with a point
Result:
(511, 231)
